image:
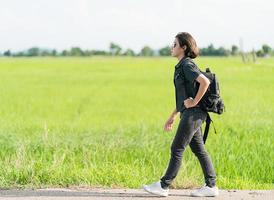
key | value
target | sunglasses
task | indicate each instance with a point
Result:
(174, 45)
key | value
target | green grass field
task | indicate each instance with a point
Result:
(99, 122)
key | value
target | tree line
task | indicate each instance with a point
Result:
(116, 50)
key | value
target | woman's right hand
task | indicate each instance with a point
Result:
(169, 124)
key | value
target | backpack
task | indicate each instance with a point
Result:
(211, 101)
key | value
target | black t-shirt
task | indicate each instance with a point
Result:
(185, 83)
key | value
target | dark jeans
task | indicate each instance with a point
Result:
(189, 132)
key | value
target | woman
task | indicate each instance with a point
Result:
(190, 86)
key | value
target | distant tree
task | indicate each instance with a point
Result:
(115, 49)
(146, 51)
(53, 52)
(165, 51)
(45, 52)
(88, 53)
(19, 54)
(34, 51)
(222, 52)
(100, 52)
(260, 53)
(129, 52)
(76, 51)
(234, 50)
(208, 51)
(7, 53)
(65, 53)
(212, 51)
(266, 49)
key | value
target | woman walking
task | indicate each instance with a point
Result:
(190, 86)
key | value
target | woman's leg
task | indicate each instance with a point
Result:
(190, 122)
(198, 148)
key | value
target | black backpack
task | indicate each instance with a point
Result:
(211, 101)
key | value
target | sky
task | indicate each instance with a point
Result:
(93, 24)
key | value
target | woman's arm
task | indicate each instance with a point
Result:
(204, 83)
(174, 114)
(170, 121)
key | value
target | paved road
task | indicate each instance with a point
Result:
(121, 194)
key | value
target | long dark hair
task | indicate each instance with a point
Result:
(185, 39)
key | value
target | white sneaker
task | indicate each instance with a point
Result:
(205, 191)
(155, 188)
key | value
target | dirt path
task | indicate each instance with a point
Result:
(119, 194)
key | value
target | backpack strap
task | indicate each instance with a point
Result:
(208, 121)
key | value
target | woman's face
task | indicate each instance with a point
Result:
(176, 50)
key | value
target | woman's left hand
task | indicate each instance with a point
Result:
(189, 102)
